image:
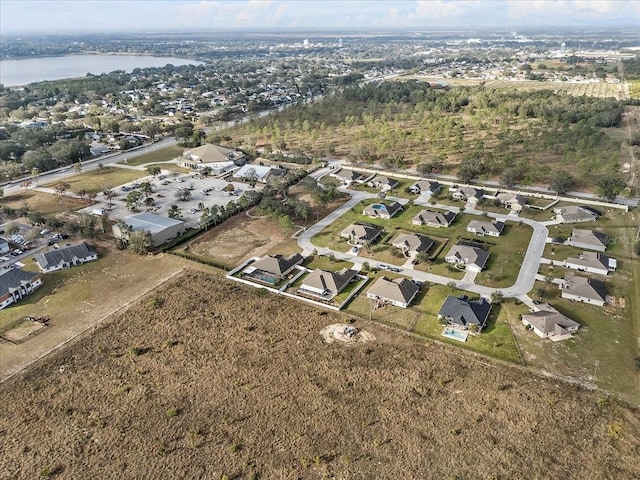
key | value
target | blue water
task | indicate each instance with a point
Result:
(29, 70)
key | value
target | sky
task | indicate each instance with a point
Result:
(80, 16)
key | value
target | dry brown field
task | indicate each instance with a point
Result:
(210, 379)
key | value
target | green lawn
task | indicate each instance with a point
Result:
(99, 180)
(163, 155)
(507, 253)
(399, 191)
(325, 263)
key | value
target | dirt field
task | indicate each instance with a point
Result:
(211, 379)
(45, 203)
(242, 237)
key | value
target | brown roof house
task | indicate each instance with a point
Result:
(325, 284)
(278, 265)
(582, 289)
(512, 201)
(547, 322)
(398, 292)
(434, 219)
(589, 239)
(382, 210)
(361, 234)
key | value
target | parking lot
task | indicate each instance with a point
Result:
(204, 190)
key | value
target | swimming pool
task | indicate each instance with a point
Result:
(459, 335)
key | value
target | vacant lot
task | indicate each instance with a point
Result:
(242, 237)
(75, 298)
(100, 180)
(45, 203)
(212, 379)
(159, 156)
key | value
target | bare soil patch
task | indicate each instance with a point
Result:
(217, 379)
(339, 333)
(240, 238)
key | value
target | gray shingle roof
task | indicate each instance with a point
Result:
(277, 264)
(13, 278)
(462, 311)
(64, 255)
(399, 289)
(332, 281)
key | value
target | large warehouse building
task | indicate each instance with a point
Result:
(162, 229)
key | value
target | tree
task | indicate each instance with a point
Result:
(286, 224)
(61, 187)
(140, 242)
(422, 257)
(1, 192)
(109, 194)
(133, 200)
(206, 171)
(153, 170)
(497, 297)
(251, 177)
(509, 177)
(183, 194)
(610, 186)
(562, 182)
(10, 228)
(146, 188)
(174, 212)
(77, 167)
(39, 159)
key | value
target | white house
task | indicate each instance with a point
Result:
(547, 322)
(468, 194)
(473, 258)
(65, 257)
(592, 262)
(425, 187)
(482, 228)
(582, 289)
(15, 284)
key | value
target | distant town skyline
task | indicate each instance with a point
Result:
(135, 16)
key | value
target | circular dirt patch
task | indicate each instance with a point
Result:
(341, 332)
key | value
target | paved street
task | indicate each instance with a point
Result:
(526, 276)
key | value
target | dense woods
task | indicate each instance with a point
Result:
(472, 131)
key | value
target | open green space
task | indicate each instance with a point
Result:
(163, 155)
(99, 180)
(325, 263)
(507, 253)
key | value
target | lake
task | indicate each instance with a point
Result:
(29, 70)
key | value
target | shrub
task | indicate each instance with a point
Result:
(173, 412)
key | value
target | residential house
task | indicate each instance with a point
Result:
(482, 228)
(425, 187)
(592, 262)
(582, 289)
(162, 229)
(412, 243)
(277, 265)
(463, 312)
(361, 234)
(65, 257)
(382, 210)
(473, 258)
(468, 194)
(547, 322)
(512, 201)
(434, 219)
(216, 157)
(15, 284)
(4, 245)
(398, 292)
(347, 176)
(383, 183)
(325, 284)
(575, 214)
(588, 239)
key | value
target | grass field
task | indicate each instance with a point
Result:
(213, 379)
(97, 181)
(159, 156)
(45, 203)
